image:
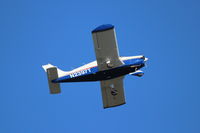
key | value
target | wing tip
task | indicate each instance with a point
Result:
(105, 107)
(103, 27)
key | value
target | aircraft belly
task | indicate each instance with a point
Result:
(101, 75)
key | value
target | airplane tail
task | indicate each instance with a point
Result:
(53, 73)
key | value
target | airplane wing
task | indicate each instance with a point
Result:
(107, 56)
(106, 49)
(112, 92)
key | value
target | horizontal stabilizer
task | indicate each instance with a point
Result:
(52, 74)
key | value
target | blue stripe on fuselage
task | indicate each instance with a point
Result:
(77, 74)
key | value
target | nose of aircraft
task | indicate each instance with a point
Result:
(144, 58)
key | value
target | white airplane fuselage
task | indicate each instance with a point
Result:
(90, 72)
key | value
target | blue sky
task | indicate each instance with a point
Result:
(34, 33)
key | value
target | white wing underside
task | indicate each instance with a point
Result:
(106, 49)
(112, 92)
(107, 57)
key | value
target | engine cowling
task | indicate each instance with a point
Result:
(138, 73)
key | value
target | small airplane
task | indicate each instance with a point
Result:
(109, 68)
